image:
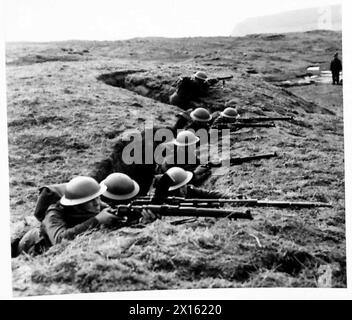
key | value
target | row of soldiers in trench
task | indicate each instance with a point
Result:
(68, 209)
(104, 198)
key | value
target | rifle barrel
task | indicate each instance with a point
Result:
(224, 78)
(236, 125)
(299, 204)
(240, 160)
(254, 125)
(256, 203)
(280, 204)
(262, 119)
(177, 210)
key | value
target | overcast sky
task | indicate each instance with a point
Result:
(49, 20)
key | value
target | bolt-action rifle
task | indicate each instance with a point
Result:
(262, 119)
(235, 126)
(212, 81)
(210, 203)
(180, 201)
(179, 211)
(240, 160)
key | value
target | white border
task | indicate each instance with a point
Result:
(206, 294)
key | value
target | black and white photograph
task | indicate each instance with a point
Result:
(174, 145)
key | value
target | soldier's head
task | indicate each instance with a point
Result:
(120, 189)
(200, 117)
(185, 138)
(200, 77)
(82, 194)
(229, 113)
(336, 55)
(179, 178)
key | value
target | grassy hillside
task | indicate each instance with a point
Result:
(62, 120)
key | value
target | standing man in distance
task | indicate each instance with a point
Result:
(335, 68)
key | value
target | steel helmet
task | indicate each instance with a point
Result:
(179, 177)
(200, 114)
(120, 186)
(229, 113)
(80, 190)
(185, 138)
(200, 75)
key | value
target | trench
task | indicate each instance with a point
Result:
(140, 82)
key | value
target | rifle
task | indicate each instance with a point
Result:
(282, 204)
(179, 210)
(237, 126)
(256, 119)
(143, 200)
(240, 160)
(209, 203)
(263, 119)
(212, 81)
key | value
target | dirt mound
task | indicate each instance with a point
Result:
(118, 78)
(248, 92)
(201, 254)
(270, 37)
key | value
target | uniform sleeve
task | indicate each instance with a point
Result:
(57, 230)
(199, 193)
(215, 118)
(181, 122)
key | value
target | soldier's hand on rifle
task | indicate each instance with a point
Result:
(201, 173)
(211, 82)
(106, 217)
(148, 217)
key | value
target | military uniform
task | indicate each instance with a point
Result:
(335, 68)
(163, 182)
(199, 193)
(63, 222)
(185, 122)
(60, 222)
(187, 89)
(184, 162)
(200, 172)
(218, 120)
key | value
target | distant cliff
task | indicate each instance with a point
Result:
(327, 17)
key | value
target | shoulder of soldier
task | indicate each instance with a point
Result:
(215, 115)
(55, 211)
(185, 114)
(55, 208)
(194, 190)
(184, 79)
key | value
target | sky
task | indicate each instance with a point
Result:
(54, 20)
